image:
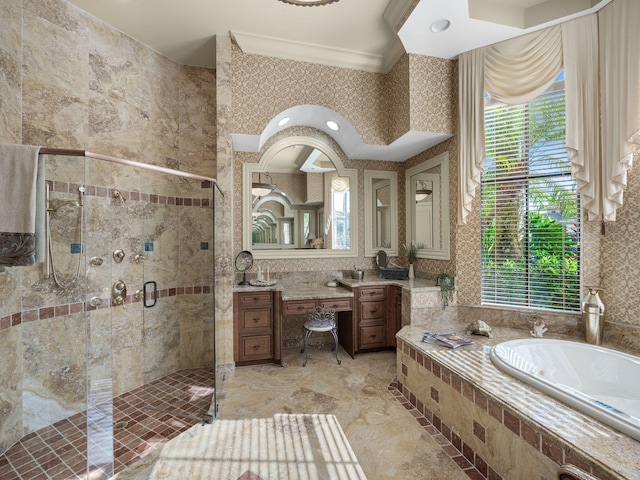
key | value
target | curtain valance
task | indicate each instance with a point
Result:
(602, 138)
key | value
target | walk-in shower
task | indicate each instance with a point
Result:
(114, 352)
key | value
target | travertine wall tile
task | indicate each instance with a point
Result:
(71, 81)
(11, 78)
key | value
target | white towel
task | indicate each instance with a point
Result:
(18, 180)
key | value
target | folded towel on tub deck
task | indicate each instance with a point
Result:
(18, 179)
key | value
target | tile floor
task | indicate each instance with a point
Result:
(390, 438)
(59, 451)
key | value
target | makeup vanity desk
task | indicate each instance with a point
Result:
(368, 314)
(258, 315)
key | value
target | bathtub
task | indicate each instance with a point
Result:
(603, 383)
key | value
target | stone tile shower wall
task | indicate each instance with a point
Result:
(69, 344)
(72, 81)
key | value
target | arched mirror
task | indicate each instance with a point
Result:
(427, 188)
(381, 212)
(299, 202)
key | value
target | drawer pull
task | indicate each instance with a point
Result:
(256, 320)
(372, 336)
(300, 307)
(373, 310)
(256, 299)
(256, 347)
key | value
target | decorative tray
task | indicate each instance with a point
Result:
(262, 283)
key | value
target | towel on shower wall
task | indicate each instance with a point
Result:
(18, 180)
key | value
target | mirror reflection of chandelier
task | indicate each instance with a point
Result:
(259, 189)
(308, 3)
(422, 192)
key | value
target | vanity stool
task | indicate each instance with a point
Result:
(319, 320)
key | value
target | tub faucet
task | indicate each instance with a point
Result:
(538, 328)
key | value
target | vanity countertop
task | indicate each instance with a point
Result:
(345, 285)
(254, 288)
(309, 293)
(419, 284)
(298, 293)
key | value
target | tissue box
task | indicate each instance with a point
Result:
(394, 273)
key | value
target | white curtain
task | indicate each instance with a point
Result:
(471, 128)
(514, 72)
(602, 137)
(620, 98)
(521, 69)
(580, 54)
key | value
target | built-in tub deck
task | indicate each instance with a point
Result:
(516, 429)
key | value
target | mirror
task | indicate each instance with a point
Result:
(381, 259)
(427, 189)
(381, 212)
(298, 202)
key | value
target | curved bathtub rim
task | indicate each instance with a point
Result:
(611, 416)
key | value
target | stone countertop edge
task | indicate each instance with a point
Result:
(414, 284)
(322, 291)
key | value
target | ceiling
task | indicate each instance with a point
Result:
(359, 34)
(369, 35)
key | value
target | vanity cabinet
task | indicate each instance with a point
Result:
(256, 331)
(375, 320)
(372, 325)
(397, 292)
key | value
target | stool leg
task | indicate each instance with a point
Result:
(335, 353)
(307, 334)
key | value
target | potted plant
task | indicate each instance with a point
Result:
(411, 251)
(447, 288)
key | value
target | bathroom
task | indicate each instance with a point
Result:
(73, 82)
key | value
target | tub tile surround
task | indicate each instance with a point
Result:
(492, 418)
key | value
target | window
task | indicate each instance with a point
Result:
(341, 213)
(530, 220)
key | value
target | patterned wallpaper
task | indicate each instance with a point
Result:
(378, 106)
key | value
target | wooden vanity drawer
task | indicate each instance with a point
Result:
(256, 347)
(372, 310)
(372, 293)
(252, 319)
(298, 308)
(255, 299)
(372, 336)
(339, 304)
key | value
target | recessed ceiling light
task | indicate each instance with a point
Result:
(333, 125)
(440, 26)
(282, 121)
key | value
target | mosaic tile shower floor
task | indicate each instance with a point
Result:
(59, 451)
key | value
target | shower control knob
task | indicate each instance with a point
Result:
(95, 261)
(118, 255)
(119, 292)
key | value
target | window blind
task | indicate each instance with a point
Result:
(530, 220)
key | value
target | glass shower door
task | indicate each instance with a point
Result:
(176, 255)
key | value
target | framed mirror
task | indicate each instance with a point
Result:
(299, 202)
(381, 212)
(427, 190)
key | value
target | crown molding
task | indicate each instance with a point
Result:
(309, 52)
